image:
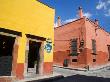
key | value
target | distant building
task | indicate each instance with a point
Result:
(26, 38)
(81, 43)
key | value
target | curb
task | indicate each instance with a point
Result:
(69, 68)
(80, 69)
(41, 78)
(48, 79)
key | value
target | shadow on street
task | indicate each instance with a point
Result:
(83, 78)
(53, 79)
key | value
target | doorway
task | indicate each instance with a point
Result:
(33, 57)
(6, 51)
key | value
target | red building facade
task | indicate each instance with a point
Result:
(81, 43)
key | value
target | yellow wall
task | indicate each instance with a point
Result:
(28, 17)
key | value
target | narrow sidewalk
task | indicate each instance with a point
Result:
(37, 77)
(95, 68)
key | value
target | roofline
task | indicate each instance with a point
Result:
(45, 4)
(80, 19)
(68, 23)
(99, 27)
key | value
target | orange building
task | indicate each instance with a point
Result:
(81, 43)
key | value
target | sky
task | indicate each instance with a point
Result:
(92, 9)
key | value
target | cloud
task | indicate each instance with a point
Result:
(108, 13)
(101, 5)
(69, 20)
(104, 5)
(88, 14)
(108, 1)
(55, 24)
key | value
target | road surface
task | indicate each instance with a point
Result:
(102, 75)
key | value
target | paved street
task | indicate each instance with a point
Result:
(99, 73)
(76, 78)
(83, 78)
(102, 75)
(66, 72)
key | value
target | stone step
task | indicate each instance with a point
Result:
(31, 70)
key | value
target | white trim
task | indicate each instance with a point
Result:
(7, 34)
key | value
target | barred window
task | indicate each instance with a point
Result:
(94, 46)
(74, 47)
(108, 52)
(94, 60)
(74, 60)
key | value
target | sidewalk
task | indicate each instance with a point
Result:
(40, 77)
(99, 71)
(95, 68)
(77, 69)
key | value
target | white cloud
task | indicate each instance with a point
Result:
(101, 5)
(108, 1)
(104, 5)
(69, 20)
(88, 14)
(55, 24)
(108, 13)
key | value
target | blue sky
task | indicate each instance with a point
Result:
(93, 9)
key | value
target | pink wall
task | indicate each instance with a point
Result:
(102, 40)
(101, 36)
(62, 38)
(64, 33)
(89, 31)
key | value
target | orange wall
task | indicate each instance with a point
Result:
(102, 40)
(101, 36)
(64, 33)
(62, 37)
(73, 30)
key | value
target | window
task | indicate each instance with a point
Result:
(74, 60)
(74, 47)
(94, 60)
(108, 52)
(94, 46)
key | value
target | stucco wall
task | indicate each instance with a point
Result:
(102, 40)
(90, 31)
(65, 33)
(100, 35)
(28, 17)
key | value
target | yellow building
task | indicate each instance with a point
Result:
(26, 38)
